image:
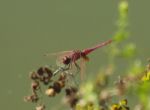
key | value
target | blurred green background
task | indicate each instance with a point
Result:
(30, 28)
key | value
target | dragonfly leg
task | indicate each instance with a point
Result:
(60, 69)
(57, 71)
(78, 67)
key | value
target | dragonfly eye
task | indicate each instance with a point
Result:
(66, 60)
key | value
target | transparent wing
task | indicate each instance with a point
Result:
(59, 56)
(83, 66)
(58, 53)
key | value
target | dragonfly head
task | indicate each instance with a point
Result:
(66, 60)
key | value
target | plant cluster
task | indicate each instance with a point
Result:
(112, 89)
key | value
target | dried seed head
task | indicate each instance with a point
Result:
(50, 92)
(44, 74)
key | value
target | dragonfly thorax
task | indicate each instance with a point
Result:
(77, 54)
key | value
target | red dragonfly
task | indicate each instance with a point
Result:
(69, 58)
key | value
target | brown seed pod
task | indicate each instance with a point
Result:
(62, 83)
(57, 87)
(40, 107)
(71, 96)
(32, 98)
(40, 71)
(73, 102)
(33, 75)
(44, 74)
(70, 91)
(62, 77)
(35, 86)
(50, 92)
